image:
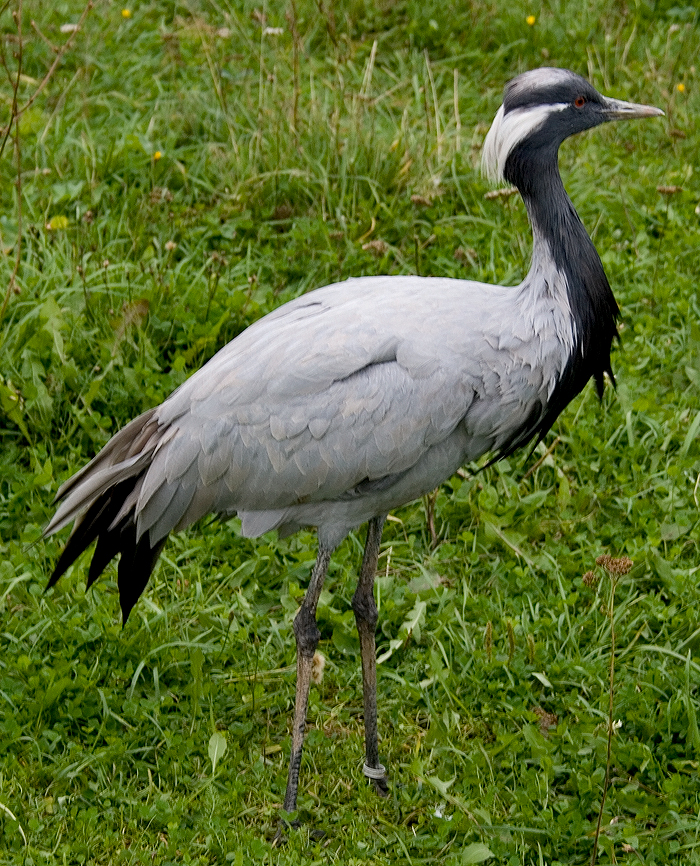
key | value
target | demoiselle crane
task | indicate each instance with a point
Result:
(361, 396)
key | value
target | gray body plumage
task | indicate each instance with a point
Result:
(346, 403)
(361, 396)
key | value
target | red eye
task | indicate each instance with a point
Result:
(580, 101)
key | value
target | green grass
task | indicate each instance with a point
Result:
(283, 155)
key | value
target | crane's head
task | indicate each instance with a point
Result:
(540, 109)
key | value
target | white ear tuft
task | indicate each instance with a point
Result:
(507, 131)
(489, 153)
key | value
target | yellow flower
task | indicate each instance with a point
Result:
(157, 155)
(126, 13)
(57, 223)
(680, 87)
(531, 20)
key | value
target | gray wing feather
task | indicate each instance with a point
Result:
(133, 439)
(203, 502)
(92, 486)
(210, 467)
(178, 457)
(350, 384)
(378, 425)
(175, 513)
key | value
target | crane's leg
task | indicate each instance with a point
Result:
(307, 635)
(366, 618)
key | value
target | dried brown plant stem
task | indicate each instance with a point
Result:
(292, 20)
(44, 38)
(57, 59)
(458, 119)
(436, 110)
(12, 285)
(429, 500)
(546, 454)
(13, 125)
(15, 111)
(329, 17)
(216, 82)
(611, 699)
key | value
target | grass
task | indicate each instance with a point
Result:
(300, 145)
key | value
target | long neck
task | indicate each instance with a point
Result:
(560, 241)
(559, 233)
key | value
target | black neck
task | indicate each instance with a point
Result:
(556, 223)
(559, 233)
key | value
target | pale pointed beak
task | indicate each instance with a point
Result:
(616, 109)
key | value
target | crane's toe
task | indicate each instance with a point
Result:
(280, 838)
(381, 786)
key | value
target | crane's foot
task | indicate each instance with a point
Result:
(381, 786)
(281, 835)
(280, 839)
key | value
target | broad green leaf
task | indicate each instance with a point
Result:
(477, 852)
(690, 435)
(217, 749)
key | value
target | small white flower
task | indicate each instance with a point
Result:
(273, 31)
(68, 28)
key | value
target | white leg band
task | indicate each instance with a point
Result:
(374, 772)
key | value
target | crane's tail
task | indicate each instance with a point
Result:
(100, 499)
